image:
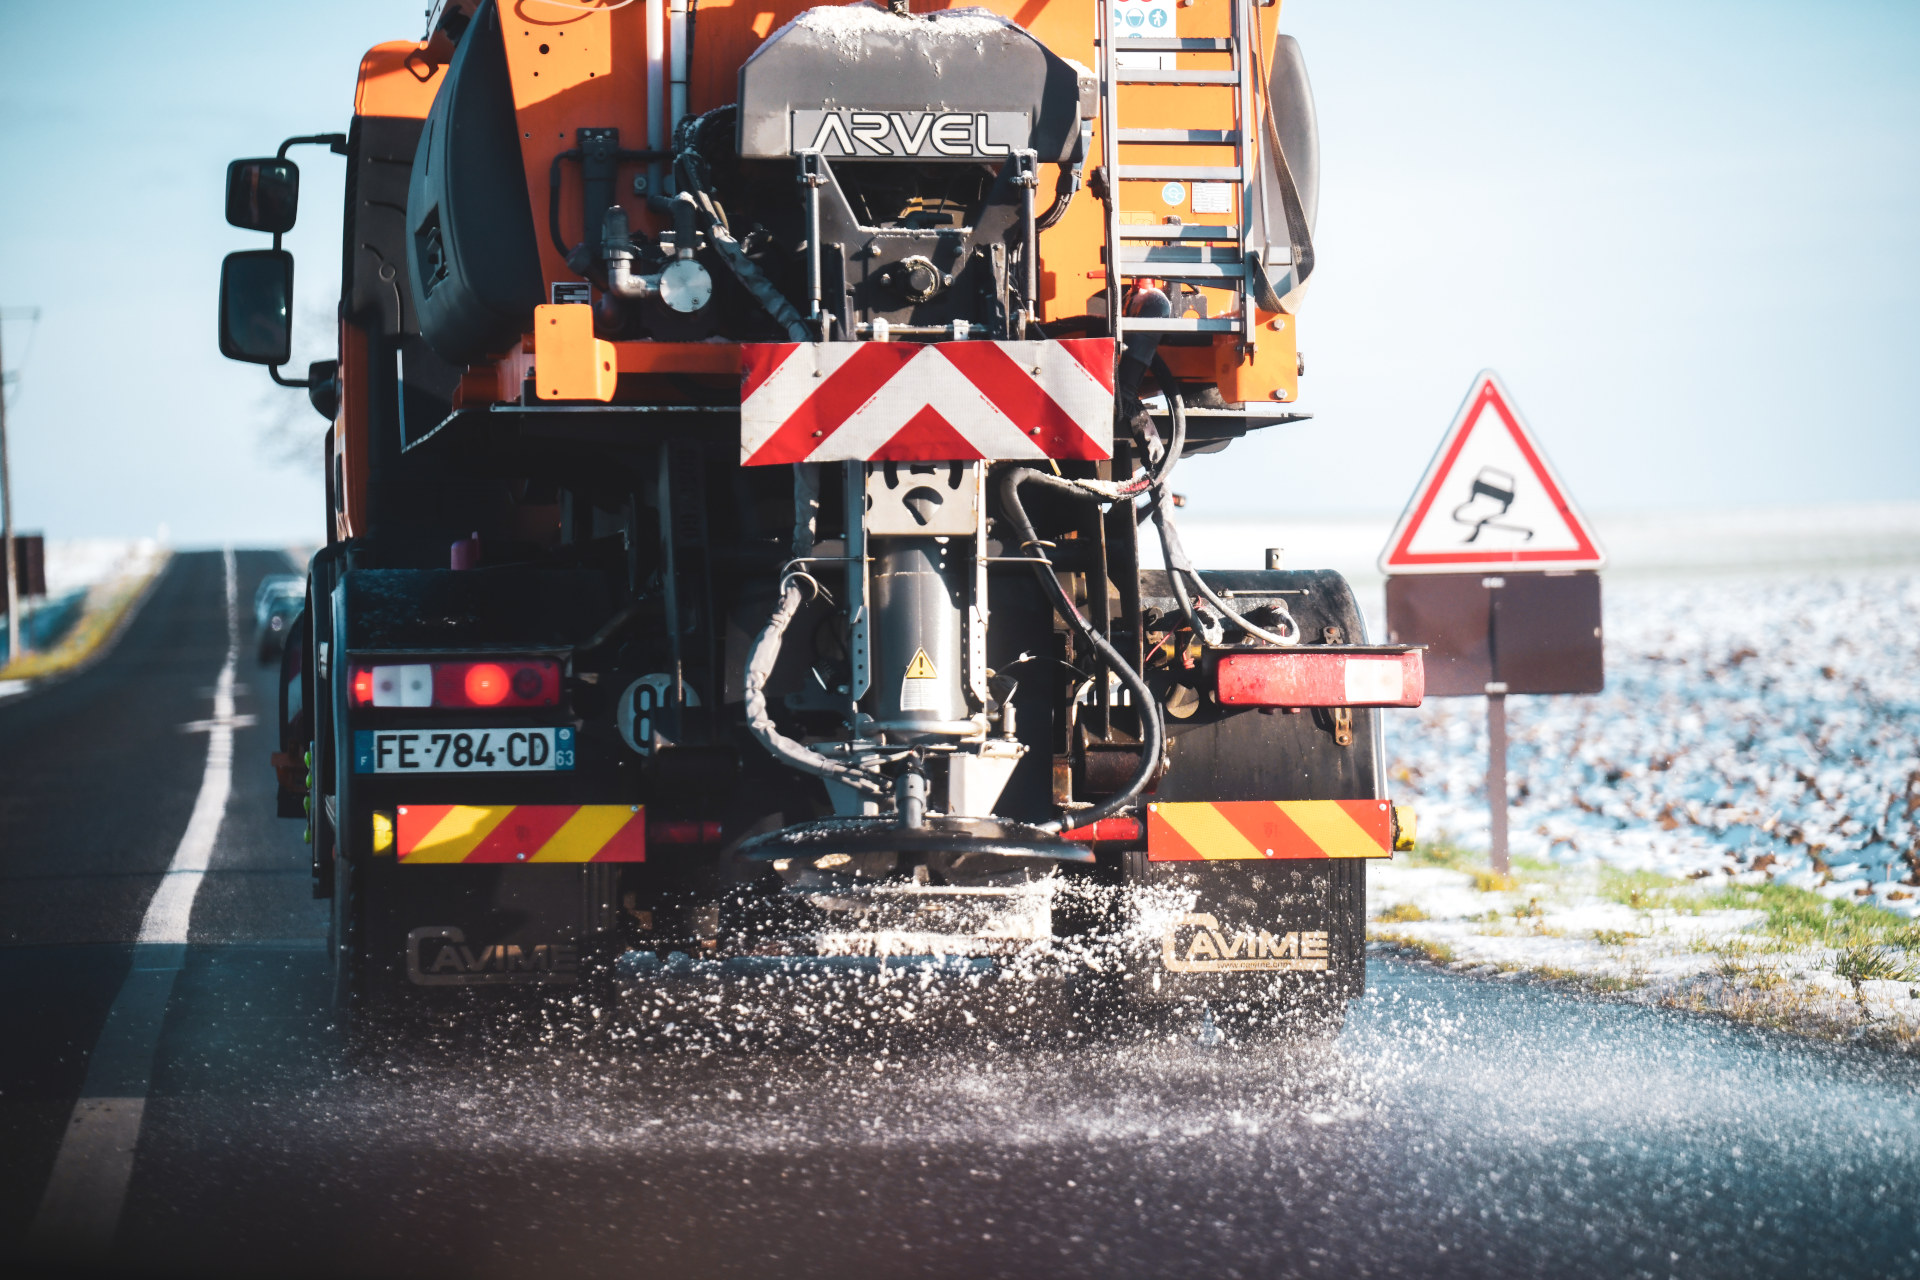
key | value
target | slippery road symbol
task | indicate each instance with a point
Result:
(1491, 498)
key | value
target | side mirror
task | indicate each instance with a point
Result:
(256, 306)
(323, 388)
(263, 195)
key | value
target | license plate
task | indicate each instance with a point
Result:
(462, 750)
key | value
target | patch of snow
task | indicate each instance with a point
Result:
(73, 563)
(849, 25)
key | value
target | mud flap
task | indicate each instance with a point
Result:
(1273, 934)
(482, 926)
(1288, 927)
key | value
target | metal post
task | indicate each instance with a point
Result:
(6, 523)
(1497, 772)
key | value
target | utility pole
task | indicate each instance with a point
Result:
(7, 545)
(6, 525)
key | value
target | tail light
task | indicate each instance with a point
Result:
(1312, 676)
(528, 682)
(672, 831)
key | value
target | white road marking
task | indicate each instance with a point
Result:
(80, 1210)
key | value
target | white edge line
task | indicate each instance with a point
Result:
(79, 1212)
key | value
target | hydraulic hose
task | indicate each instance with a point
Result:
(1178, 566)
(748, 273)
(760, 662)
(1153, 729)
(1063, 192)
(1160, 499)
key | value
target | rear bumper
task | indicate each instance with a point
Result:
(426, 834)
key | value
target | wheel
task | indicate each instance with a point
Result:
(346, 940)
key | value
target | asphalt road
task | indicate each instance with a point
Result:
(847, 1128)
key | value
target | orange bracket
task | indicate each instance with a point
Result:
(569, 363)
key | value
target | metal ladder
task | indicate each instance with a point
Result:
(1213, 254)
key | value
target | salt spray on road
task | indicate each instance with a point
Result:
(81, 1208)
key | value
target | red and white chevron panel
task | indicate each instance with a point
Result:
(937, 402)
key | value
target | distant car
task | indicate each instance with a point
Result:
(276, 606)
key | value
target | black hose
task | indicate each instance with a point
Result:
(1062, 197)
(1160, 499)
(1153, 730)
(1178, 566)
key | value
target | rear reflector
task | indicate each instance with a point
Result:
(1306, 678)
(683, 831)
(1191, 831)
(528, 682)
(520, 833)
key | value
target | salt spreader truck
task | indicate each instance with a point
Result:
(745, 427)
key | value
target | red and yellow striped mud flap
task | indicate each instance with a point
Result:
(442, 833)
(1224, 829)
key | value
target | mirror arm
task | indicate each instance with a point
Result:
(336, 143)
(273, 370)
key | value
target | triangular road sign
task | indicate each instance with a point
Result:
(1490, 500)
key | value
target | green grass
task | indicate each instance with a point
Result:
(1438, 952)
(1794, 919)
(1402, 913)
(1429, 853)
(1615, 937)
(1452, 857)
(1648, 891)
(1869, 963)
(1590, 981)
(1800, 918)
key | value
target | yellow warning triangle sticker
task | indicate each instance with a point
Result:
(921, 668)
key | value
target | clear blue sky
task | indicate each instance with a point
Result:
(1684, 233)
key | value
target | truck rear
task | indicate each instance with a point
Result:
(749, 433)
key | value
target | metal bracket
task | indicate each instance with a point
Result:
(859, 628)
(810, 176)
(1027, 177)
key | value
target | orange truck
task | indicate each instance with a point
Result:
(746, 424)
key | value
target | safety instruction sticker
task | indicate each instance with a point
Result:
(920, 687)
(1213, 197)
(1142, 18)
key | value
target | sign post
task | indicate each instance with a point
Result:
(1494, 569)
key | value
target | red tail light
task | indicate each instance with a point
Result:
(485, 684)
(1312, 676)
(674, 831)
(524, 682)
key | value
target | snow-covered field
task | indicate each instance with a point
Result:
(1763, 722)
(112, 572)
(87, 562)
